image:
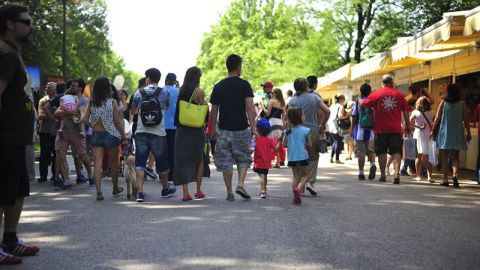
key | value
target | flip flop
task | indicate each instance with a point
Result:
(117, 191)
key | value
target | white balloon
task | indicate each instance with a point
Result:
(119, 81)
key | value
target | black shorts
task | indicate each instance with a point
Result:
(13, 174)
(391, 143)
(260, 171)
(298, 164)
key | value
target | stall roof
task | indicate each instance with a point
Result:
(370, 66)
(472, 22)
(336, 77)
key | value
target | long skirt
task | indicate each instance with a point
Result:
(189, 151)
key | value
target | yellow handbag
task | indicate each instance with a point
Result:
(192, 115)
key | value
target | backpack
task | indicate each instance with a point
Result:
(365, 117)
(150, 110)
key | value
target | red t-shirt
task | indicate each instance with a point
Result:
(387, 105)
(263, 151)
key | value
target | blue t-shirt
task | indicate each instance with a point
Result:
(296, 142)
(55, 101)
(170, 113)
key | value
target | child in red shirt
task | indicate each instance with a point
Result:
(261, 158)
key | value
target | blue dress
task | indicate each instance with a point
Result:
(451, 134)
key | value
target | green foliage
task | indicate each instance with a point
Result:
(259, 30)
(88, 48)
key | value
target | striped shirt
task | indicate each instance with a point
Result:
(360, 133)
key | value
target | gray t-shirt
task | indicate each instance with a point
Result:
(308, 102)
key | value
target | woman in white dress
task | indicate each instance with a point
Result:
(422, 119)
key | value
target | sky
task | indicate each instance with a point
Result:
(165, 34)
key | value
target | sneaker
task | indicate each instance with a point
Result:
(230, 197)
(168, 192)
(242, 192)
(311, 188)
(383, 178)
(262, 194)
(6, 258)
(56, 181)
(444, 183)
(431, 180)
(199, 194)
(417, 178)
(42, 179)
(331, 160)
(396, 179)
(81, 179)
(150, 173)
(455, 182)
(187, 198)
(373, 171)
(64, 185)
(140, 197)
(404, 173)
(20, 249)
(361, 177)
(91, 183)
(338, 162)
(297, 199)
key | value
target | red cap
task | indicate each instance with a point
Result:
(267, 84)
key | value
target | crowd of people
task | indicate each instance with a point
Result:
(236, 131)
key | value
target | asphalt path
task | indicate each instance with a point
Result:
(351, 224)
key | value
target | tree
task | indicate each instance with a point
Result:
(89, 51)
(262, 30)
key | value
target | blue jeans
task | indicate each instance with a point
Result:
(146, 142)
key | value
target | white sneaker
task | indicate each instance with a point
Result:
(417, 178)
(311, 189)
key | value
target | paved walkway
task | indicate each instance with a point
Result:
(351, 225)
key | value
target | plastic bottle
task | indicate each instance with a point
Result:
(252, 145)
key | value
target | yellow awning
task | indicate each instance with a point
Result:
(472, 22)
(336, 77)
(327, 94)
(426, 38)
(369, 66)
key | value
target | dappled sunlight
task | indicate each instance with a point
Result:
(235, 263)
(62, 199)
(424, 203)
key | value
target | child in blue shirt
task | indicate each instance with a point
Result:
(295, 140)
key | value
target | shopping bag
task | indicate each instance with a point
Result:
(433, 153)
(410, 148)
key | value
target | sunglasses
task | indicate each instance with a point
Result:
(27, 22)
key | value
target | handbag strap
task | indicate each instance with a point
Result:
(193, 95)
(426, 119)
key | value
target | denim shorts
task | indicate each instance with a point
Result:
(104, 139)
(298, 164)
(146, 142)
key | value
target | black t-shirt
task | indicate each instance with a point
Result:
(176, 121)
(126, 113)
(229, 94)
(16, 115)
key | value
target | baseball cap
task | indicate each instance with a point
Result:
(263, 123)
(267, 84)
(171, 76)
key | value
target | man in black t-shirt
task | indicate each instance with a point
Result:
(234, 97)
(16, 128)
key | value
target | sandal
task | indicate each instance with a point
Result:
(99, 196)
(117, 191)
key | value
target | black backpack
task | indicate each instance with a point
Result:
(150, 110)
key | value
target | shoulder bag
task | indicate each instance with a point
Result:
(342, 125)
(192, 115)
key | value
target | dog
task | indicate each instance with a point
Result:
(130, 177)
